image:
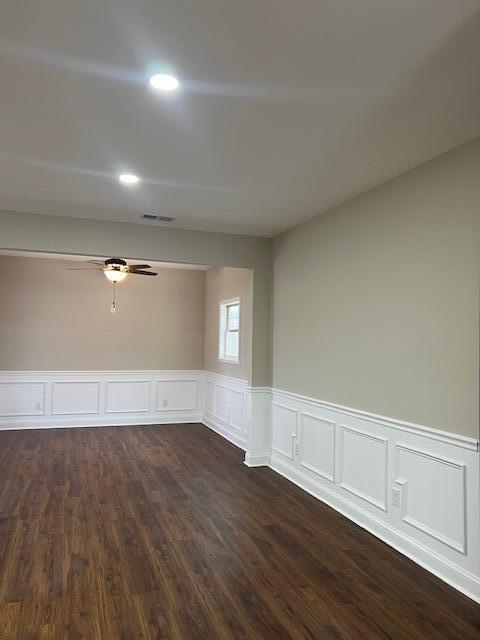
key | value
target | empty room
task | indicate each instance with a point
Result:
(240, 320)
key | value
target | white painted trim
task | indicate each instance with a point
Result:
(222, 305)
(430, 432)
(59, 412)
(446, 545)
(306, 465)
(256, 461)
(30, 380)
(77, 409)
(344, 485)
(226, 379)
(233, 429)
(148, 409)
(100, 373)
(71, 423)
(462, 580)
(246, 422)
(258, 421)
(264, 390)
(228, 435)
(85, 375)
(293, 435)
(197, 381)
(462, 467)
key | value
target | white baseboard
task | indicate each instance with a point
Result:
(414, 487)
(458, 578)
(257, 461)
(101, 422)
(212, 424)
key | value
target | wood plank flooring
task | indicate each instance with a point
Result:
(150, 533)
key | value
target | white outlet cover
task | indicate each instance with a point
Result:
(396, 496)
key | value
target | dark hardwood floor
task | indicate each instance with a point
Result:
(162, 532)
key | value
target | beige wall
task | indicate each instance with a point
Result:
(223, 283)
(376, 303)
(54, 319)
(34, 232)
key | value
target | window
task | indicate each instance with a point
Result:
(229, 338)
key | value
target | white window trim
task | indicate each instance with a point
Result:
(221, 335)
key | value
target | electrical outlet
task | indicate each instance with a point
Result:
(297, 448)
(396, 496)
(38, 406)
(165, 402)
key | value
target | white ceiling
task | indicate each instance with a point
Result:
(286, 108)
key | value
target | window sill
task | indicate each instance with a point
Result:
(227, 361)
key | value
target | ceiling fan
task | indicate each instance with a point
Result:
(117, 269)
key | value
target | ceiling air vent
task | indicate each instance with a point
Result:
(154, 217)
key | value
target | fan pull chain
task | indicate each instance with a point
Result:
(113, 308)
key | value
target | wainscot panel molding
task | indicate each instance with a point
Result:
(44, 399)
(416, 488)
(225, 407)
(401, 425)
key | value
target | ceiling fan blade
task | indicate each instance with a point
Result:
(84, 269)
(139, 266)
(100, 262)
(143, 273)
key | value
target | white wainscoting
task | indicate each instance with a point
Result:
(40, 399)
(225, 407)
(416, 488)
(22, 397)
(258, 425)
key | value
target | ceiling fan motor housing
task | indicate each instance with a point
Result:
(115, 262)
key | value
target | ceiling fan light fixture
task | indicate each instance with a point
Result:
(115, 275)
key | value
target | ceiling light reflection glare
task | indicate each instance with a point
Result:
(164, 82)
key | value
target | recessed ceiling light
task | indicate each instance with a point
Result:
(129, 179)
(164, 82)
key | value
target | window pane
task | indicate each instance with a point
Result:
(231, 344)
(233, 316)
